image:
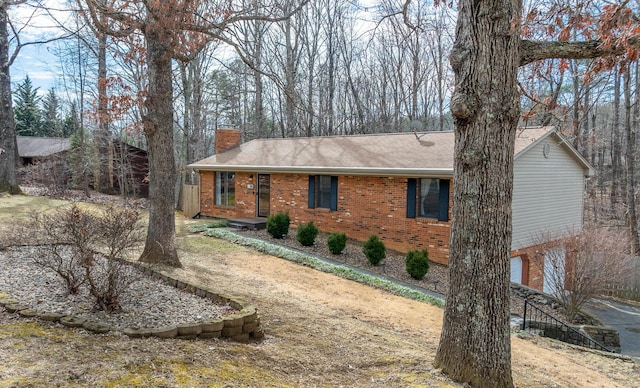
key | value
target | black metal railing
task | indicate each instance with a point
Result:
(539, 322)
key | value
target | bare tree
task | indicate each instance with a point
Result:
(475, 341)
(171, 29)
(8, 144)
(577, 267)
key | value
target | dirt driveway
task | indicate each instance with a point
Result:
(321, 330)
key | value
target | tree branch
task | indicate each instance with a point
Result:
(531, 51)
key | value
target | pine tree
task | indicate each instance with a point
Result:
(70, 124)
(51, 122)
(26, 110)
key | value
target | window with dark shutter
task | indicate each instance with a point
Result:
(428, 197)
(323, 192)
(411, 197)
(443, 203)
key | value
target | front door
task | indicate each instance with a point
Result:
(264, 193)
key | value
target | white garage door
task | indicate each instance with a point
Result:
(516, 270)
(554, 263)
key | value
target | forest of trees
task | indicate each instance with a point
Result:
(333, 68)
(166, 74)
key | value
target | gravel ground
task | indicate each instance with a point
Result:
(147, 303)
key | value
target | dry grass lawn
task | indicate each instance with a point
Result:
(321, 330)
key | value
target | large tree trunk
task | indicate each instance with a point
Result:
(8, 145)
(475, 343)
(160, 246)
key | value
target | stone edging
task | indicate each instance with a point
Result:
(240, 327)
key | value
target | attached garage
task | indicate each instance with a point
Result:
(516, 270)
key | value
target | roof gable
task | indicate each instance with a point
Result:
(563, 142)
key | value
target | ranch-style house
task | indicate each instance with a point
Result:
(397, 185)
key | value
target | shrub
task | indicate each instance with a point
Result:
(108, 278)
(336, 242)
(307, 234)
(73, 240)
(374, 249)
(278, 224)
(66, 236)
(417, 263)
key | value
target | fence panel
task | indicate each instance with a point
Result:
(628, 289)
(190, 200)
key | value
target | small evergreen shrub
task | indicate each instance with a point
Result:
(307, 234)
(278, 224)
(417, 263)
(374, 249)
(337, 242)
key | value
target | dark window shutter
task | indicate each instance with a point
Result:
(443, 211)
(334, 193)
(411, 197)
(312, 192)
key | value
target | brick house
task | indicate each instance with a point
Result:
(397, 186)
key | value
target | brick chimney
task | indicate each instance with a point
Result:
(226, 139)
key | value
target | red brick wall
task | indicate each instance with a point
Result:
(366, 205)
(226, 139)
(245, 198)
(532, 266)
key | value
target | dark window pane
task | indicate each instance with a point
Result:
(323, 191)
(428, 198)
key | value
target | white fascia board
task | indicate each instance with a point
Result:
(359, 171)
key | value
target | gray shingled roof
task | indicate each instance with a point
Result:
(395, 154)
(34, 147)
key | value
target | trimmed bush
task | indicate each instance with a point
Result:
(307, 234)
(417, 263)
(278, 224)
(336, 242)
(374, 249)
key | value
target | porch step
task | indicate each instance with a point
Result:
(248, 223)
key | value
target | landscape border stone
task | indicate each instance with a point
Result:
(240, 327)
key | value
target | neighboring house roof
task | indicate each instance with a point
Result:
(394, 154)
(34, 147)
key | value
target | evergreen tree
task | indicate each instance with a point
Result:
(70, 125)
(26, 110)
(51, 122)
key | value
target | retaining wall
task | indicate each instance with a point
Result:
(241, 326)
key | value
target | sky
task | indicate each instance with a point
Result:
(43, 66)
(37, 61)
(39, 64)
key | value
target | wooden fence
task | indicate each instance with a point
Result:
(629, 289)
(190, 200)
(631, 292)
